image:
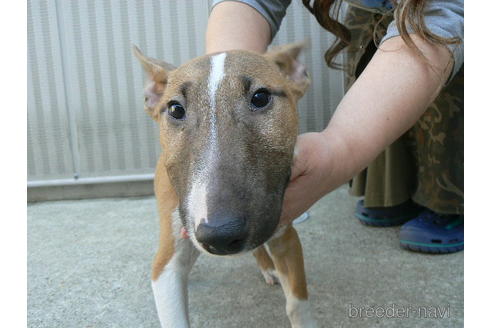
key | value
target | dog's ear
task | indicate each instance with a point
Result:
(285, 57)
(157, 72)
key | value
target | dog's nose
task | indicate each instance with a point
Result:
(222, 236)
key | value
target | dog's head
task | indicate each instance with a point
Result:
(228, 126)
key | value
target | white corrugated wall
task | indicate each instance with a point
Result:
(85, 109)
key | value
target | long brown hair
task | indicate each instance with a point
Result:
(409, 11)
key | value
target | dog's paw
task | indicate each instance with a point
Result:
(270, 276)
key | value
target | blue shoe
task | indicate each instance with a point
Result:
(387, 216)
(433, 233)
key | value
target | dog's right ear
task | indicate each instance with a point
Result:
(157, 72)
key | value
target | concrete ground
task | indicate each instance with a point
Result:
(89, 264)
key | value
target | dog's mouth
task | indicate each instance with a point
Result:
(236, 247)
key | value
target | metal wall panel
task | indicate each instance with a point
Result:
(86, 116)
(105, 81)
(48, 136)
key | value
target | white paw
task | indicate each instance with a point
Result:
(270, 276)
(299, 313)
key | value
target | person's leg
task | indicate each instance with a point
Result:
(436, 141)
(387, 185)
(437, 145)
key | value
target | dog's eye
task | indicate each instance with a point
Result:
(260, 99)
(176, 110)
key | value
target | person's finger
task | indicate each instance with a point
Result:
(299, 166)
(293, 200)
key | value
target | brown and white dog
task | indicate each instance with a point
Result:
(228, 126)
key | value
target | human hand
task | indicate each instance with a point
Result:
(310, 174)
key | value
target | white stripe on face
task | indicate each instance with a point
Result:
(197, 199)
(214, 79)
(216, 75)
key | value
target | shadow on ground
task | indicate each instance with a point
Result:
(89, 266)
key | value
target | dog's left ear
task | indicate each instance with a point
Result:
(157, 72)
(285, 57)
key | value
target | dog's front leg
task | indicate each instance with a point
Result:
(286, 252)
(170, 281)
(174, 259)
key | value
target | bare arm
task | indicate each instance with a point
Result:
(386, 100)
(235, 25)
